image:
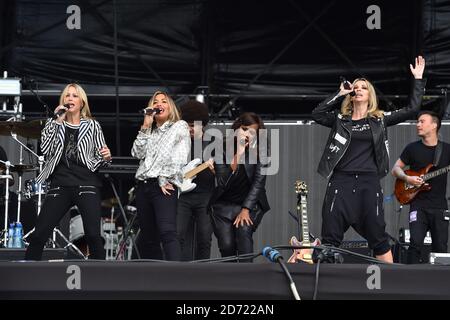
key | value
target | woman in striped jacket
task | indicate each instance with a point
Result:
(74, 148)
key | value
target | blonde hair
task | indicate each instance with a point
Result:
(174, 115)
(372, 108)
(85, 110)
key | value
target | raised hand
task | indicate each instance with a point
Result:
(62, 117)
(148, 120)
(418, 68)
(343, 91)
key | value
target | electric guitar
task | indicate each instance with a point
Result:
(405, 192)
(304, 255)
(190, 171)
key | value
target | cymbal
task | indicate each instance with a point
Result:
(109, 203)
(31, 129)
(20, 168)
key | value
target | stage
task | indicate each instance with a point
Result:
(217, 281)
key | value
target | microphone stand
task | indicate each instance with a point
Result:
(7, 176)
(122, 211)
(38, 97)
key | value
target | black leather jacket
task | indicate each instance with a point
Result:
(256, 198)
(341, 130)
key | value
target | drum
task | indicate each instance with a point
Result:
(32, 188)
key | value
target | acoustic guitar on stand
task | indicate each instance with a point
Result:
(305, 255)
(405, 192)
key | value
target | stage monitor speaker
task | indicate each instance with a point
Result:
(7, 254)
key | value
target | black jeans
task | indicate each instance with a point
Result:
(193, 207)
(157, 220)
(420, 221)
(57, 203)
(232, 241)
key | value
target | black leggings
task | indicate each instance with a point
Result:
(57, 203)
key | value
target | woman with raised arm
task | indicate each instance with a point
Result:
(356, 157)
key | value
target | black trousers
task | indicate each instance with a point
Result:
(232, 241)
(157, 219)
(355, 200)
(420, 221)
(193, 207)
(56, 204)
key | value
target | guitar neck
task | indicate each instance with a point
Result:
(195, 171)
(436, 173)
(305, 226)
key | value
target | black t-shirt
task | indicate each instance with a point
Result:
(360, 154)
(70, 171)
(417, 156)
(204, 179)
(238, 187)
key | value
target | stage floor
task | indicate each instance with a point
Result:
(217, 281)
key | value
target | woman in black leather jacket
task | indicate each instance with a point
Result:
(239, 200)
(356, 157)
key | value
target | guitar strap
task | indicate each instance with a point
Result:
(437, 153)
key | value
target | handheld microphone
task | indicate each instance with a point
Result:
(271, 254)
(149, 111)
(61, 111)
(347, 86)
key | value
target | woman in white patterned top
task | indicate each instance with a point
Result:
(163, 147)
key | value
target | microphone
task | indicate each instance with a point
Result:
(149, 111)
(271, 254)
(61, 111)
(347, 86)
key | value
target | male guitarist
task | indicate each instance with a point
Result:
(428, 208)
(192, 206)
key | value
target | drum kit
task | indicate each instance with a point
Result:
(29, 130)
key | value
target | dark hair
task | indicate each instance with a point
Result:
(194, 111)
(434, 116)
(247, 119)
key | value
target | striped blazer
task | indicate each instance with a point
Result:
(90, 141)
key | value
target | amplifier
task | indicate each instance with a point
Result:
(358, 246)
(440, 258)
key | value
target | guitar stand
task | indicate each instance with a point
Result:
(122, 211)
